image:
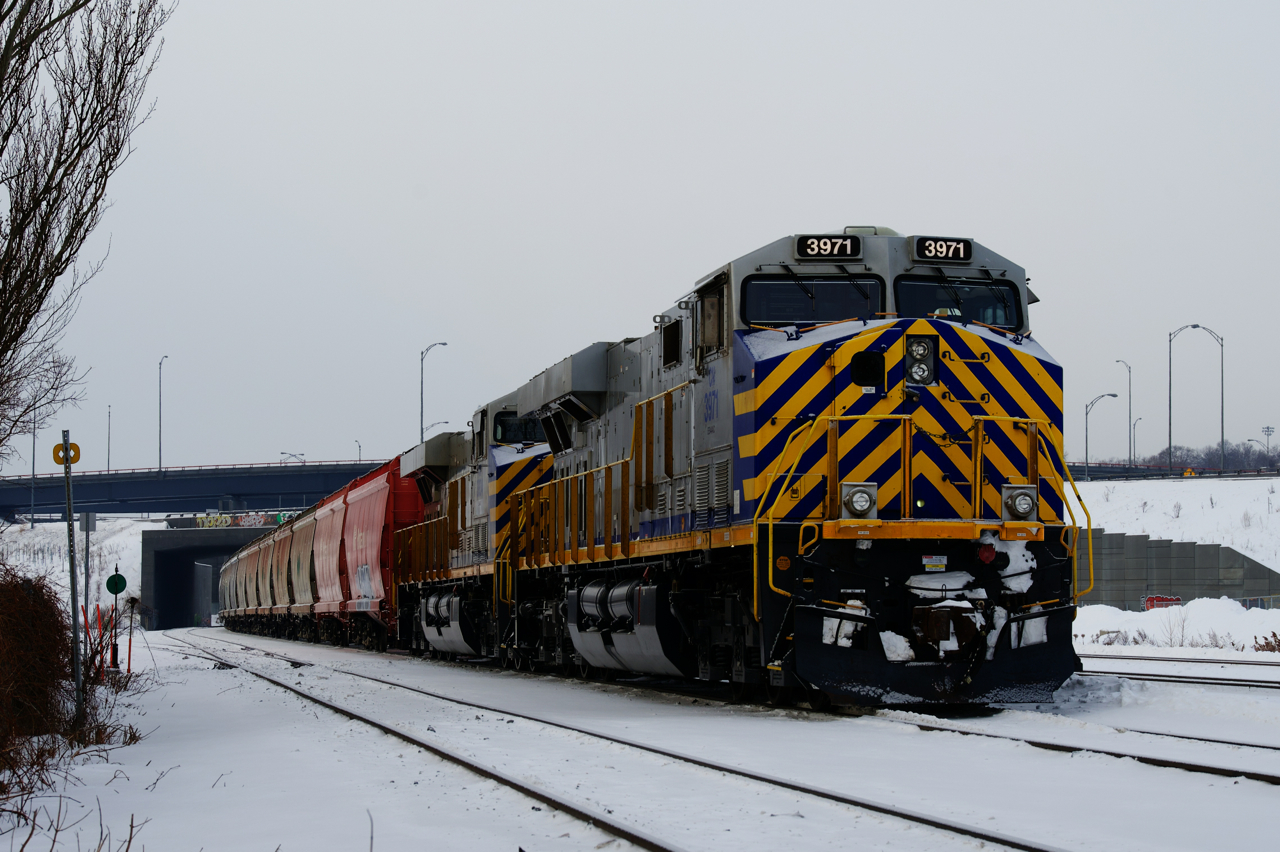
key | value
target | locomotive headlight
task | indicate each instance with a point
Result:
(1019, 502)
(920, 372)
(919, 349)
(858, 500)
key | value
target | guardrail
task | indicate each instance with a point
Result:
(230, 468)
(1119, 471)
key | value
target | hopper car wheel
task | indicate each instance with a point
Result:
(741, 692)
(583, 670)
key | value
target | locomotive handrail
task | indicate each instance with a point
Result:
(583, 475)
(1075, 559)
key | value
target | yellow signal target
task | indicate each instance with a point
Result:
(60, 458)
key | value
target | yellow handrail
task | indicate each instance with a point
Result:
(1075, 560)
(755, 520)
(625, 522)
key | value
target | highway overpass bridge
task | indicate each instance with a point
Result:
(253, 487)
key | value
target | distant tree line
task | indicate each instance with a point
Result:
(1245, 455)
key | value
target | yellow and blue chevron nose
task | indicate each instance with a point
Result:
(980, 374)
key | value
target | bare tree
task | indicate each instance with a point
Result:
(72, 76)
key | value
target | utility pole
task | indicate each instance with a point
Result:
(108, 439)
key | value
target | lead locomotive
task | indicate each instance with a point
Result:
(832, 471)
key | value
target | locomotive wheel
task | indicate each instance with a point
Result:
(819, 701)
(778, 696)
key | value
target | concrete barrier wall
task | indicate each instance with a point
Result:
(1127, 568)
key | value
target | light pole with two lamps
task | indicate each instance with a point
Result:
(422, 358)
(1222, 392)
(1087, 409)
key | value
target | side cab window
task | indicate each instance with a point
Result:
(480, 437)
(711, 312)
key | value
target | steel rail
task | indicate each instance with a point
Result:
(584, 813)
(771, 780)
(1178, 660)
(1206, 769)
(1193, 681)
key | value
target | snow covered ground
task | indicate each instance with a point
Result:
(231, 762)
(1233, 512)
(117, 541)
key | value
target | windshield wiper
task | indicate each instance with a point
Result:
(857, 285)
(951, 291)
(796, 279)
(999, 292)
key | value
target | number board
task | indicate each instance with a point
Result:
(942, 248)
(828, 247)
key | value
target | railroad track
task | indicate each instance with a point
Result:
(889, 716)
(1183, 679)
(1179, 660)
(601, 820)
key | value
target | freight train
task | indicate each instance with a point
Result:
(831, 472)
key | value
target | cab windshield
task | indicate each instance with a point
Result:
(988, 302)
(510, 429)
(775, 300)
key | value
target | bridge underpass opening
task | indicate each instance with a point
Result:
(180, 573)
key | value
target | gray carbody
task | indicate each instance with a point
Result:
(602, 384)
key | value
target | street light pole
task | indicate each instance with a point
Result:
(1130, 369)
(421, 385)
(1087, 409)
(160, 420)
(359, 451)
(1134, 436)
(108, 439)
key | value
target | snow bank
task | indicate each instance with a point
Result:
(1233, 512)
(117, 541)
(1194, 624)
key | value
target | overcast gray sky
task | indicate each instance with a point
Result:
(326, 188)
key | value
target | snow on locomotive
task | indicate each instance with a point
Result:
(833, 471)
